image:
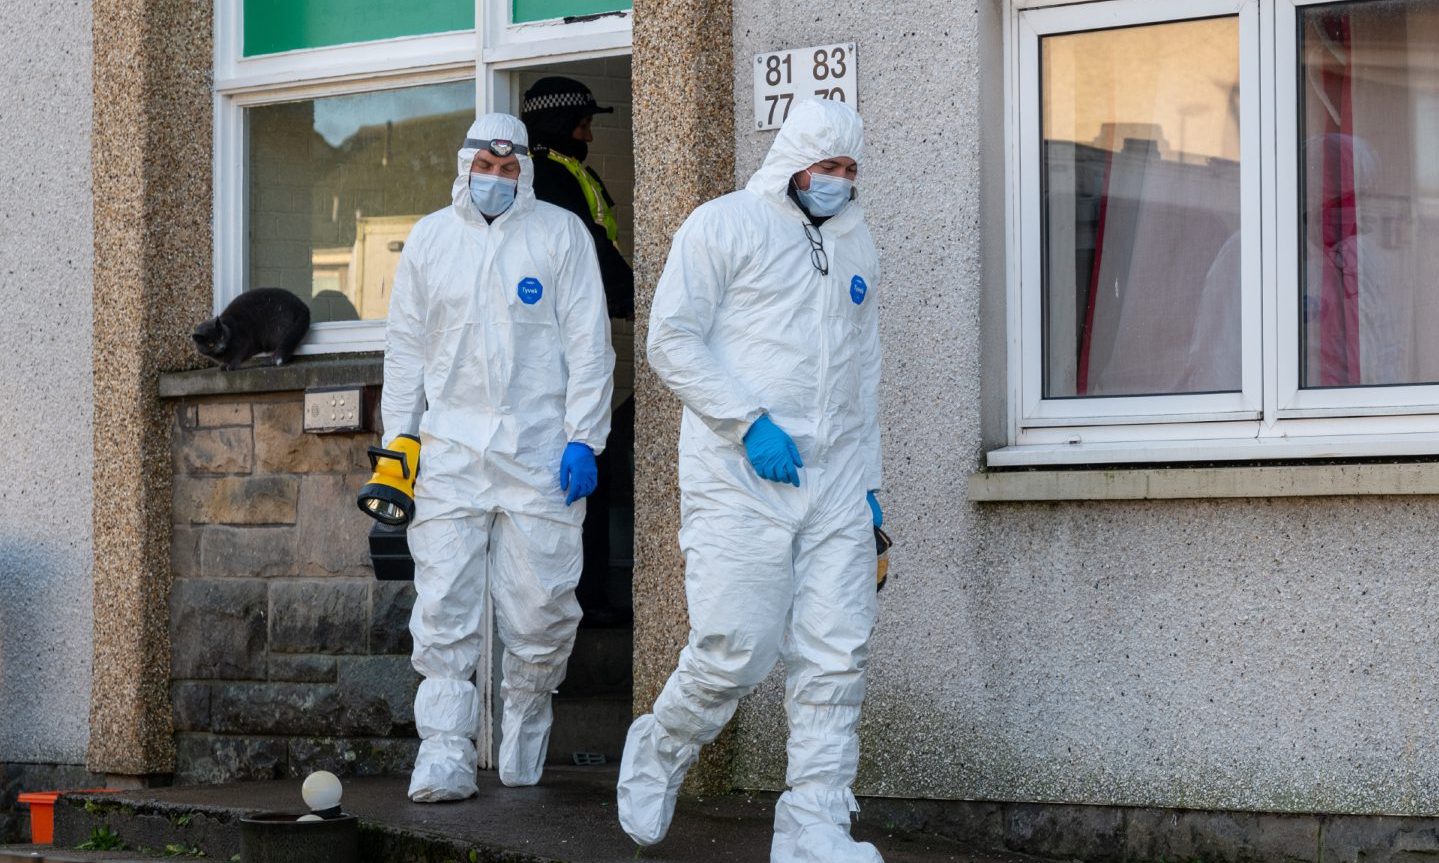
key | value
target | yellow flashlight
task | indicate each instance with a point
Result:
(389, 496)
(882, 542)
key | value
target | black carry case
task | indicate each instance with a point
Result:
(390, 553)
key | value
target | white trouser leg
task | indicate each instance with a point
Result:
(826, 651)
(450, 573)
(536, 564)
(739, 583)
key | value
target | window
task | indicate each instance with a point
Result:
(336, 122)
(1217, 212)
(336, 184)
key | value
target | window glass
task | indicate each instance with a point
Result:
(1369, 98)
(1141, 201)
(272, 26)
(337, 183)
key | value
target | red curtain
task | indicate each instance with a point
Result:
(1339, 292)
(1087, 336)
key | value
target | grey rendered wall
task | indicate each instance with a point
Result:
(45, 378)
(1243, 654)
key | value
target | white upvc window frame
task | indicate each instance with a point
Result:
(507, 47)
(1293, 400)
(554, 40)
(486, 54)
(1272, 417)
(1035, 409)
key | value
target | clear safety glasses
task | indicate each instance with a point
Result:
(817, 255)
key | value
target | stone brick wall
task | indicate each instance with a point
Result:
(288, 655)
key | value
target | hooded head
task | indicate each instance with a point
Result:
(493, 127)
(817, 129)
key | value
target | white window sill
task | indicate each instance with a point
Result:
(1326, 480)
(343, 337)
(1410, 436)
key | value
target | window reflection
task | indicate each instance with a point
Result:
(1367, 164)
(337, 183)
(1141, 205)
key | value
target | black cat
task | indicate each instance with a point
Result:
(260, 321)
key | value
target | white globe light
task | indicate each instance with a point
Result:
(310, 817)
(321, 791)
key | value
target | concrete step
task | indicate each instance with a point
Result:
(150, 830)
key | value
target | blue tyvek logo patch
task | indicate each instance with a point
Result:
(857, 289)
(530, 290)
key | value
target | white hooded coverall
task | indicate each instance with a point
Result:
(497, 355)
(743, 324)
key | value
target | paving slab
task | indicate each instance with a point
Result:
(569, 817)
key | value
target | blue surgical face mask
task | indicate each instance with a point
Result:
(826, 195)
(491, 193)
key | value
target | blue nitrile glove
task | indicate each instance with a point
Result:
(578, 472)
(874, 509)
(771, 452)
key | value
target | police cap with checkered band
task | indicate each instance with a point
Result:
(557, 93)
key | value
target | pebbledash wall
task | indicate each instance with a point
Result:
(1271, 654)
(45, 410)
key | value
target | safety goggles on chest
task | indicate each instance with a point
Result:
(818, 257)
(499, 147)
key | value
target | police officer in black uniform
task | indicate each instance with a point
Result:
(558, 111)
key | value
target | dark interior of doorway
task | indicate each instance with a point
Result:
(593, 707)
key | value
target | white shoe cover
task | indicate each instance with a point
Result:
(444, 770)
(524, 736)
(651, 772)
(811, 825)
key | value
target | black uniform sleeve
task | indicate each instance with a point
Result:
(555, 185)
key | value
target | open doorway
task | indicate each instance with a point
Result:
(593, 707)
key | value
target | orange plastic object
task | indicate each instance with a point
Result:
(42, 815)
(42, 812)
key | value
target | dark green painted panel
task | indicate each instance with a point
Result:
(272, 26)
(544, 10)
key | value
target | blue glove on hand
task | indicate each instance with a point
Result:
(874, 509)
(771, 452)
(578, 472)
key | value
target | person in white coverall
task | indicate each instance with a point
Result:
(498, 357)
(765, 325)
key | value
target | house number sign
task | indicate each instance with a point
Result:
(782, 78)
